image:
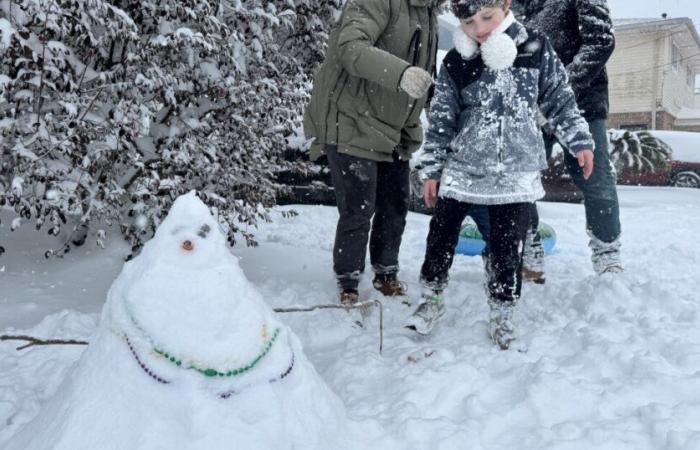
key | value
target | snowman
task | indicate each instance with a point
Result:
(187, 355)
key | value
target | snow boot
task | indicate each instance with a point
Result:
(533, 258)
(605, 256)
(427, 314)
(349, 297)
(501, 326)
(389, 285)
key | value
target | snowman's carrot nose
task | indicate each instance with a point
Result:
(188, 245)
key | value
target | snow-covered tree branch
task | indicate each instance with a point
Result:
(111, 109)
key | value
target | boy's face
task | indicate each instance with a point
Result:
(480, 25)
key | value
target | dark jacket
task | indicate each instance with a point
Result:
(484, 122)
(356, 103)
(581, 33)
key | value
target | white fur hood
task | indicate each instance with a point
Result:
(501, 48)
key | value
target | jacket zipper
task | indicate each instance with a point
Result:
(501, 126)
(416, 53)
(330, 99)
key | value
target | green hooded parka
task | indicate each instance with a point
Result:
(356, 103)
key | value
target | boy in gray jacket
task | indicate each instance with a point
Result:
(484, 147)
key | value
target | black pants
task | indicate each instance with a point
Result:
(368, 194)
(508, 225)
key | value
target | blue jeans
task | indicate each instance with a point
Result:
(599, 191)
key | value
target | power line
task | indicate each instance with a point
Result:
(639, 44)
(658, 66)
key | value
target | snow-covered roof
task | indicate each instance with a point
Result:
(685, 144)
(629, 23)
(632, 21)
(687, 40)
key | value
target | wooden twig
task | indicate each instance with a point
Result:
(361, 306)
(36, 341)
(32, 341)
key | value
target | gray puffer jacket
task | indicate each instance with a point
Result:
(484, 122)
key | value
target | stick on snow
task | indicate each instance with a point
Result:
(361, 306)
(32, 341)
(36, 341)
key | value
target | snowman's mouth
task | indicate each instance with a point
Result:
(224, 395)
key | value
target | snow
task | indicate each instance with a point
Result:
(612, 361)
(6, 32)
(685, 144)
(185, 338)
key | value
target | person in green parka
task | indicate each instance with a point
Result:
(364, 115)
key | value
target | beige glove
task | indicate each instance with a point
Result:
(415, 82)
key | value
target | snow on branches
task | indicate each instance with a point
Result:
(639, 151)
(109, 110)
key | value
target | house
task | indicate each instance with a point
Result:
(652, 75)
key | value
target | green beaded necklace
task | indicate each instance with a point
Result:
(208, 372)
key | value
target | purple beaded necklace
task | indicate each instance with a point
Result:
(223, 395)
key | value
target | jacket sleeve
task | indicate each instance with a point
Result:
(598, 43)
(558, 104)
(443, 125)
(362, 25)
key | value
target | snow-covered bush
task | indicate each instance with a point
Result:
(639, 151)
(109, 110)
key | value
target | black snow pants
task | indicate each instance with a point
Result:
(372, 196)
(509, 225)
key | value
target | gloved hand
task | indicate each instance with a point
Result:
(415, 82)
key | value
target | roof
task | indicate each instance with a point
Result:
(688, 40)
(631, 23)
(625, 22)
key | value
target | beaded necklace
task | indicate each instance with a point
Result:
(208, 371)
(224, 395)
(279, 377)
(142, 365)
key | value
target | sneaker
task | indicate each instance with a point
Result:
(427, 314)
(501, 327)
(533, 258)
(349, 297)
(389, 286)
(605, 256)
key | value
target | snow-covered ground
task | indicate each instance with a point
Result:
(612, 362)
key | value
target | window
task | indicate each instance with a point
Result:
(675, 58)
(690, 78)
(634, 126)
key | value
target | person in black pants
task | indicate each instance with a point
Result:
(364, 114)
(369, 195)
(484, 147)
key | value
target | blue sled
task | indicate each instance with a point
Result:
(470, 241)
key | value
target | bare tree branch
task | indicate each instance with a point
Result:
(362, 306)
(36, 341)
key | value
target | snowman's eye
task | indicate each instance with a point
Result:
(204, 231)
(187, 245)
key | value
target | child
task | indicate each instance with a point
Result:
(484, 147)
